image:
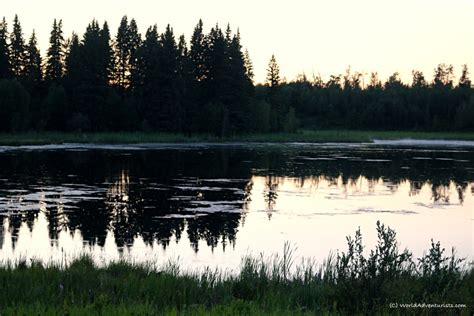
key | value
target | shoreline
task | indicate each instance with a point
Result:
(273, 285)
(304, 136)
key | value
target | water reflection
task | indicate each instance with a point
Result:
(209, 199)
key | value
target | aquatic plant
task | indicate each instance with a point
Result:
(346, 283)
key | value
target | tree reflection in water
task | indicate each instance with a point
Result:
(201, 193)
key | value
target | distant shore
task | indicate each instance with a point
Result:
(307, 136)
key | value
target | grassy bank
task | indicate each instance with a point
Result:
(301, 136)
(349, 283)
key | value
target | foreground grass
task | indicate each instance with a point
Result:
(301, 136)
(348, 283)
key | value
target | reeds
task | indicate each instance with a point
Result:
(345, 283)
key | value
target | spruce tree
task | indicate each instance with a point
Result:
(71, 62)
(73, 81)
(33, 70)
(5, 70)
(96, 52)
(88, 76)
(33, 81)
(248, 66)
(239, 88)
(55, 54)
(96, 56)
(121, 48)
(198, 47)
(184, 85)
(198, 73)
(135, 40)
(106, 53)
(171, 110)
(17, 51)
(216, 61)
(273, 73)
(182, 55)
(215, 85)
(145, 81)
(278, 110)
(127, 42)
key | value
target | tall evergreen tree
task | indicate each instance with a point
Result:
(216, 61)
(96, 50)
(135, 39)
(248, 66)
(240, 87)
(183, 56)
(127, 42)
(71, 62)
(184, 85)
(33, 81)
(33, 70)
(55, 54)
(171, 108)
(278, 109)
(199, 72)
(198, 47)
(145, 80)
(106, 53)
(273, 73)
(5, 70)
(74, 81)
(88, 76)
(121, 46)
(214, 87)
(17, 51)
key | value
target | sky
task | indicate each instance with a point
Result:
(307, 36)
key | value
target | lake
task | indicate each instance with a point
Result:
(211, 204)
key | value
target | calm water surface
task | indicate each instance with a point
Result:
(208, 205)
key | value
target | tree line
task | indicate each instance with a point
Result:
(160, 82)
(347, 101)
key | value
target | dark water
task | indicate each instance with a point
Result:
(211, 204)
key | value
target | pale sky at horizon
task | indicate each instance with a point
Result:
(311, 36)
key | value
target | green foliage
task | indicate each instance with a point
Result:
(127, 43)
(159, 84)
(273, 73)
(213, 118)
(54, 110)
(443, 75)
(465, 115)
(55, 56)
(33, 70)
(465, 81)
(5, 71)
(17, 49)
(291, 122)
(260, 116)
(14, 106)
(275, 285)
